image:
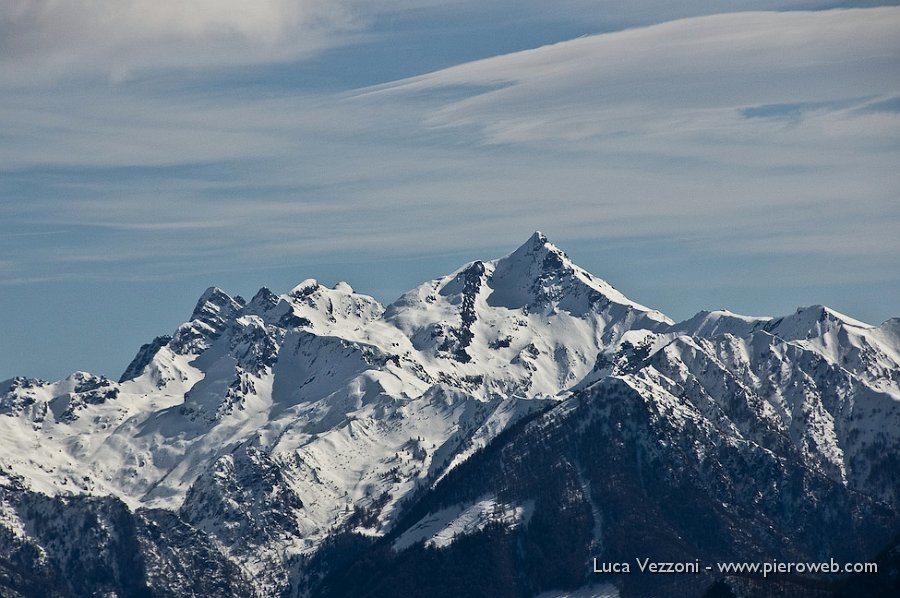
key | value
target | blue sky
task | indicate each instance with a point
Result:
(694, 158)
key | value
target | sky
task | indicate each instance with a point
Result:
(697, 155)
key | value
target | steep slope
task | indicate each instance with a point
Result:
(617, 473)
(266, 428)
(349, 405)
(96, 546)
(528, 324)
(870, 352)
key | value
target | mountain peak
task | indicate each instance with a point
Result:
(534, 260)
(823, 312)
(539, 273)
(536, 245)
(263, 300)
(144, 356)
(537, 238)
(717, 322)
(215, 305)
(811, 321)
(307, 287)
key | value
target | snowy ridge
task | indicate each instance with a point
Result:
(719, 322)
(274, 423)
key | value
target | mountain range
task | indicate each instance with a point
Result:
(494, 432)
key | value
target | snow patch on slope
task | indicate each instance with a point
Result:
(442, 528)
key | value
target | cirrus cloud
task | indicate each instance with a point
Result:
(46, 39)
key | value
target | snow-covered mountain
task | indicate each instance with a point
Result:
(267, 432)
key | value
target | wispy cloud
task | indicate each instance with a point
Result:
(48, 39)
(43, 41)
(679, 73)
(729, 121)
(681, 125)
